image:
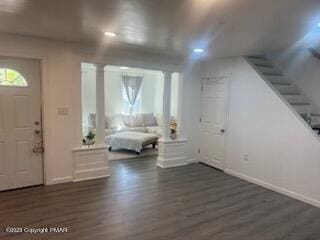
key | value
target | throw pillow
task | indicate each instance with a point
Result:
(115, 122)
(137, 120)
(126, 120)
(149, 120)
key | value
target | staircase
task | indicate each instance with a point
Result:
(290, 92)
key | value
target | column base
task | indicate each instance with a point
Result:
(172, 153)
(90, 162)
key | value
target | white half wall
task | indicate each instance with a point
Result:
(283, 154)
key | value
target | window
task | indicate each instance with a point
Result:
(126, 104)
(10, 77)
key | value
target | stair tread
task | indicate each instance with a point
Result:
(257, 57)
(272, 74)
(263, 65)
(254, 61)
(300, 103)
(280, 83)
(312, 114)
(287, 89)
(290, 93)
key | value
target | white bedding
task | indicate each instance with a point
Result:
(130, 140)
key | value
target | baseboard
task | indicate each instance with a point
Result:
(91, 174)
(192, 160)
(275, 188)
(173, 162)
(91, 178)
(60, 180)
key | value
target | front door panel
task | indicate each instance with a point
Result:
(20, 108)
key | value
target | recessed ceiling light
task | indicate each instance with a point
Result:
(319, 24)
(198, 50)
(124, 68)
(110, 34)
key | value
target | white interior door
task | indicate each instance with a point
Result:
(214, 100)
(20, 123)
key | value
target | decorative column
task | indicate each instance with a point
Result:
(171, 153)
(92, 162)
(180, 131)
(100, 105)
(166, 108)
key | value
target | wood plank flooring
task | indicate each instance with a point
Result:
(141, 201)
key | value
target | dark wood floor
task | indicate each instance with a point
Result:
(141, 201)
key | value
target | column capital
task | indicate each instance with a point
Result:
(100, 67)
(167, 74)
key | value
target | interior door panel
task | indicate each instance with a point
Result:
(213, 120)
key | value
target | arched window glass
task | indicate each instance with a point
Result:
(10, 77)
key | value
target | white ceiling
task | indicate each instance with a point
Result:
(224, 27)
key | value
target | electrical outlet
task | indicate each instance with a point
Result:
(246, 157)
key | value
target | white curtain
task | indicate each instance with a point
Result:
(132, 85)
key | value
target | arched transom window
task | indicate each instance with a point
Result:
(10, 77)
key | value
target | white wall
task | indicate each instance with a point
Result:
(190, 109)
(283, 153)
(303, 69)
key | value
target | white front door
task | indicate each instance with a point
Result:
(20, 123)
(214, 101)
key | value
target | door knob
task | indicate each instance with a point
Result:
(37, 131)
